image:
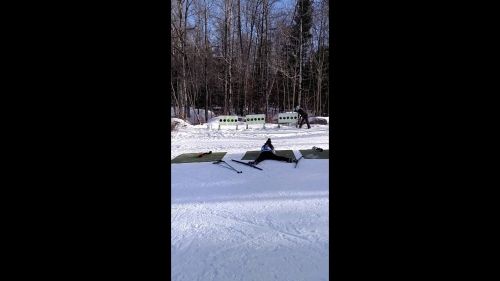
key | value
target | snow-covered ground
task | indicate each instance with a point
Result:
(256, 225)
(196, 115)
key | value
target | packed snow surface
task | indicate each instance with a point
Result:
(255, 225)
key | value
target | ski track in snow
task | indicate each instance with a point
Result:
(257, 225)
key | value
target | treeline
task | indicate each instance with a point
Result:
(247, 56)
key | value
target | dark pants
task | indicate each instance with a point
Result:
(269, 155)
(304, 118)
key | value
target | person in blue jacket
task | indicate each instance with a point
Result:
(267, 152)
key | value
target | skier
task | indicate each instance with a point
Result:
(303, 117)
(267, 152)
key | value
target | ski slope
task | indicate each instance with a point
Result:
(257, 225)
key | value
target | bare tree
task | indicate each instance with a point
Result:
(248, 56)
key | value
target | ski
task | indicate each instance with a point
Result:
(245, 163)
(230, 167)
(204, 153)
(298, 161)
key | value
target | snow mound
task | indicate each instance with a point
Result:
(176, 123)
(318, 120)
(196, 116)
(213, 121)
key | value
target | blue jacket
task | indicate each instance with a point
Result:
(266, 147)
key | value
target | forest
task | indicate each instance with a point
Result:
(243, 57)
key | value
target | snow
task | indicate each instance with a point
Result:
(180, 122)
(257, 225)
(196, 115)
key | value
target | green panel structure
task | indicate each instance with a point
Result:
(228, 120)
(314, 154)
(193, 157)
(255, 119)
(288, 118)
(252, 155)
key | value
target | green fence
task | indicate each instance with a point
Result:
(228, 120)
(255, 119)
(288, 118)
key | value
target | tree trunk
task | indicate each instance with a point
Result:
(300, 67)
(206, 61)
(242, 72)
(230, 59)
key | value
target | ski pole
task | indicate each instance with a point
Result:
(230, 167)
